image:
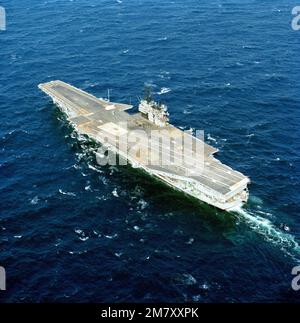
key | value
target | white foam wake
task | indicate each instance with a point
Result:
(268, 230)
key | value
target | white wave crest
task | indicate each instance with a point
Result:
(164, 90)
(94, 168)
(115, 193)
(209, 137)
(66, 193)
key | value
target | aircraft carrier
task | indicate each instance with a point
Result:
(192, 168)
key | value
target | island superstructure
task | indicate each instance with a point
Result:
(104, 121)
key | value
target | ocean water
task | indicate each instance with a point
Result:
(71, 231)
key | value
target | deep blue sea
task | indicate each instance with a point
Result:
(231, 68)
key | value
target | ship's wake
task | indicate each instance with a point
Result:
(266, 228)
(269, 231)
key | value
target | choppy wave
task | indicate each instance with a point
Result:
(164, 90)
(94, 168)
(209, 137)
(230, 93)
(66, 193)
(35, 200)
(115, 193)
